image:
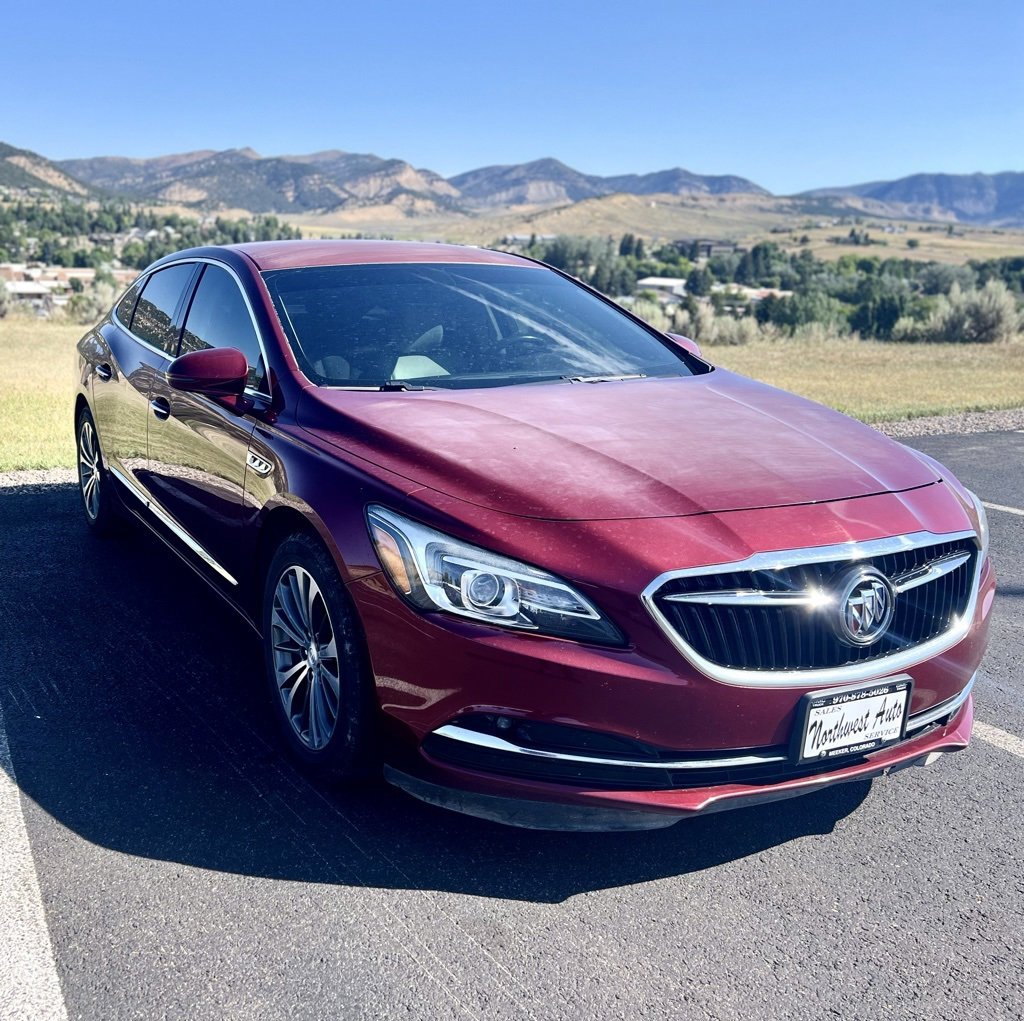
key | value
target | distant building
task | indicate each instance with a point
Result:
(33, 293)
(525, 239)
(705, 248)
(669, 287)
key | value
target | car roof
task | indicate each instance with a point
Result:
(272, 255)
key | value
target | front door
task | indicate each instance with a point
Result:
(198, 444)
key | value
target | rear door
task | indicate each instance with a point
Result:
(141, 339)
(197, 444)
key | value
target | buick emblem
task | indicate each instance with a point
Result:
(864, 605)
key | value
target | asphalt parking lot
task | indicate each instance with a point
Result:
(186, 870)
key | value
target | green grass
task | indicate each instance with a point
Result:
(37, 367)
(872, 381)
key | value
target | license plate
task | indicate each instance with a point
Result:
(853, 720)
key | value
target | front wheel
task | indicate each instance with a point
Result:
(319, 674)
(94, 485)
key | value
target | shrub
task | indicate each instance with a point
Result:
(986, 316)
(90, 306)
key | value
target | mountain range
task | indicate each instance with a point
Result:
(332, 180)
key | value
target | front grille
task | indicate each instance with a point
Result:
(753, 634)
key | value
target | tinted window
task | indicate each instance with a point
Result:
(458, 326)
(219, 317)
(154, 314)
(126, 306)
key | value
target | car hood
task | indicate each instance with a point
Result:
(625, 449)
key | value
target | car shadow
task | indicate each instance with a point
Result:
(134, 707)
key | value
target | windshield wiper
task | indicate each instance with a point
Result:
(604, 379)
(401, 384)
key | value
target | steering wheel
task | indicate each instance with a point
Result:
(523, 345)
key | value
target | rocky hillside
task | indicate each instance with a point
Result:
(28, 171)
(549, 181)
(242, 179)
(993, 199)
(333, 179)
(344, 183)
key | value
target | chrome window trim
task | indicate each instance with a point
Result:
(479, 740)
(252, 391)
(851, 551)
(164, 518)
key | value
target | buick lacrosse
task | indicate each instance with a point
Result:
(526, 555)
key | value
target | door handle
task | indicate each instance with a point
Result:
(161, 408)
(104, 371)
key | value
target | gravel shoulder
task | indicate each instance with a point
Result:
(959, 424)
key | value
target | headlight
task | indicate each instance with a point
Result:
(434, 571)
(979, 509)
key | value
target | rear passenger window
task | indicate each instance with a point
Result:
(219, 317)
(126, 306)
(154, 318)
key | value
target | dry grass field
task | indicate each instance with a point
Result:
(878, 382)
(37, 366)
(872, 381)
(745, 219)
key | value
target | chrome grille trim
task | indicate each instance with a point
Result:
(952, 705)
(849, 551)
(481, 740)
(751, 597)
(744, 597)
(929, 572)
(490, 741)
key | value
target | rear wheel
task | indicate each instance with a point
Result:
(98, 498)
(319, 675)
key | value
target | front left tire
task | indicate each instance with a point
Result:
(316, 664)
(94, 485)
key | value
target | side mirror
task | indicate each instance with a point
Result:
(215, 371)
(684, 342)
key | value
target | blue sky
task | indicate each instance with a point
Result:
(790, 94)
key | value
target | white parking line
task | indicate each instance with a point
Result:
(993, 735)
(29, 986)
(1000, 507)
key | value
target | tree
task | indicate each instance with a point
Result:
(698, 282)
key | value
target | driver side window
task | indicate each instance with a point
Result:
(219, 317)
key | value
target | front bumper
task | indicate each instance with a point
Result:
(553, 807)
(647, 699)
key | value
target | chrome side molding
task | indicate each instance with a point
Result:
(168, 522)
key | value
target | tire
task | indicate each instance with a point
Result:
(316, 664)
(99, 501)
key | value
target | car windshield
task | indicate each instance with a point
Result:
(411, 325)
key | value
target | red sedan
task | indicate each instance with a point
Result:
(535, 560)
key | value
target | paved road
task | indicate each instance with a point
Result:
(187, 871)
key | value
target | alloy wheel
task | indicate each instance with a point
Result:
(305, 655)
(89, 469)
